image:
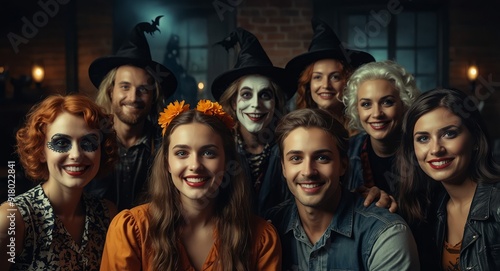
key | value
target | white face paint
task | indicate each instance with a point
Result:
(255, 103)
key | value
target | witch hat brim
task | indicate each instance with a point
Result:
(326, 45)
(252, 59)
(135, 52)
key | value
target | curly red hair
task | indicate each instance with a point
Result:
(31, 137)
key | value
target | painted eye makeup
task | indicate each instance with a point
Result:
(61, 143)
(89, 143)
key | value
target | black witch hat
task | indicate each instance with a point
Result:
(252, 59)
(135, 51)
(326, 45)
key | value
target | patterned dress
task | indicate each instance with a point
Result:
(47, 243)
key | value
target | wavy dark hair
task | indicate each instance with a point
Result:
(232, 204)
(417, 188)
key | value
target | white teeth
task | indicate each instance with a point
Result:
(377, 125)
(195, 180)
(309, 185)
(440, 163)
(326, 94)
(74, 169)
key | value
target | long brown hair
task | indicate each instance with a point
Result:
(232, 204)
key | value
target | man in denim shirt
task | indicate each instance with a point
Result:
(327, 227)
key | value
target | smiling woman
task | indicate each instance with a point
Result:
(199, 215)
(376, 98)
(64, 144)
(254, 93)
(450, 183)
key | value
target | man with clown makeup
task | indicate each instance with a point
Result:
(254, 93)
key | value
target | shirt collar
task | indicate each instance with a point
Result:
(342, 221)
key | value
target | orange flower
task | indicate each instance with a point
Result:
(208, 107)
(205, 106)
(170, 112)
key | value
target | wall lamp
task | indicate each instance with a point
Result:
(38, 73)
(472, 74)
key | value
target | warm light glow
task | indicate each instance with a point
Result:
(2, 69)
(201, 85)
(472, 73)
(38, 73)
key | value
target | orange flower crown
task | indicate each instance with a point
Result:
(207, 107)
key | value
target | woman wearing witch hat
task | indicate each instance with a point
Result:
(132, 87)
(254, 93)
(322, 72)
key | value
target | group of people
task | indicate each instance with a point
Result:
(367, 173)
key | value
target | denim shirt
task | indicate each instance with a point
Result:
(358, 238)
(481, 240)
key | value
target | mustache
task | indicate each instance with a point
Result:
(140, 105)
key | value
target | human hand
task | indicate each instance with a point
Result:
(384, 200)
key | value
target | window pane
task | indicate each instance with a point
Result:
(426, 82)
(377, 34)
(426, 29)
(356, 36)
(406, 58)
(192, 32)
(426, 61)
(378, 54)
(405, 35)
(194, 60)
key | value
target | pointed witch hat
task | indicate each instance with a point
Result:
(135, 51)
(252, 59)
(326, 45)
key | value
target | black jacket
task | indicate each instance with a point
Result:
(481, 241)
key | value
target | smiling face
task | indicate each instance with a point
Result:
(443, 146)
(72, 152)
(327, 85)
(132, 95)
(312, 167)
(196, 161)
(380, 109)
(255, 103)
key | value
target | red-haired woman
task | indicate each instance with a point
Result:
(64, 144)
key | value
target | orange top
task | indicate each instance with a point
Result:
(126, 249)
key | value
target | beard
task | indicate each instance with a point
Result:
(131, 118)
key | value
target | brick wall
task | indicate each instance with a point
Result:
(95, 38)
(48, 45)
(282, 27)
(474, 37)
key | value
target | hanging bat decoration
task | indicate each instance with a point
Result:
(150, 28)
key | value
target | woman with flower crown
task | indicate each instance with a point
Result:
(199, 215)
